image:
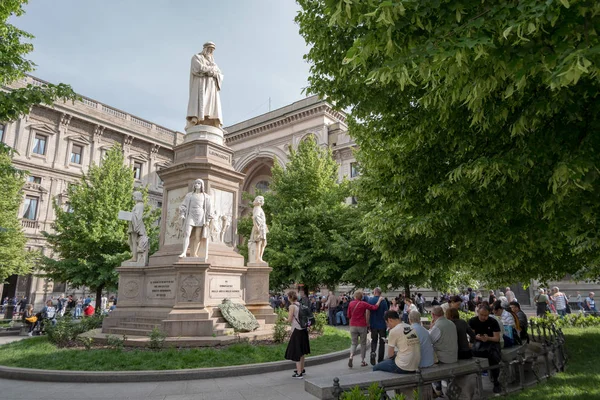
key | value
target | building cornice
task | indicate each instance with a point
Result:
(98, 113)
(293, 117)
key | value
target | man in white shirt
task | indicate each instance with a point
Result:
(403, 338)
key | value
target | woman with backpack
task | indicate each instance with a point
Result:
(298, 345)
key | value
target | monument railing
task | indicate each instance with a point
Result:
(527, 369)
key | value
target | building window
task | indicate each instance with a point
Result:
(2, 127)
(76, 154)
(34, 179)
(353, 200)
(39, 144)
(137, 170)
(31, 206)
(263, 186)
(354, 170)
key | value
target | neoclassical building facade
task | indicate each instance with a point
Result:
(57, 144)
(261, 141)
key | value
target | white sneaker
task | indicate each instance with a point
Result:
(30, 334)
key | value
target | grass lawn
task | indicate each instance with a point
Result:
(37, 352)
(581, 380)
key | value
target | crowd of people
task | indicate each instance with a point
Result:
(399, 342)
(54, 308)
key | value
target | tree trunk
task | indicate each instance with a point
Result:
(98, 308)
(407, 289)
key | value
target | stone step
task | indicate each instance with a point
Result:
(144, 320)
(139, 325)
(128, 331)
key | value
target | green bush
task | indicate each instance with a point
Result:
(375, 392)
(577, 320)
(466, 315)
(65, 332)
(115, 342)
(157, 339)
(280, 328)
(320, 322)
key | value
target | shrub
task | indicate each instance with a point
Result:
(115, 342)
(375, 392)
(86, 342)
(320, 322)
(577, 320)
(64, 332)
(280, 328)
(157, 339)
(466, 315)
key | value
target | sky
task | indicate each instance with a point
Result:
(135, 54)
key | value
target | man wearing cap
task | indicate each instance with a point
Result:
(204, 106)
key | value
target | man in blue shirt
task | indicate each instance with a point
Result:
(427, 358)
(377, 326)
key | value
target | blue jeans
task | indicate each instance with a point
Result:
(389, 365)
(340, 318)
(562, 313)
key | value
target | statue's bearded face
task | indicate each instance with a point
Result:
(208, 52)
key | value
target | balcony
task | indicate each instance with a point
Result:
(30, 224)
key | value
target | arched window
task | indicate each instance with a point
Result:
(263, 186)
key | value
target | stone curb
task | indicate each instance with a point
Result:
(42, 375)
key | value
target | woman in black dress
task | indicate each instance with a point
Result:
(298, 345)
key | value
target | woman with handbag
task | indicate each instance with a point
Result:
(30, 319)
(357, 311)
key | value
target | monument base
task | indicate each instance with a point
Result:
(182, 300)
(206, 132)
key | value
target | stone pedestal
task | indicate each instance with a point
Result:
(180, 295)
(257, 291)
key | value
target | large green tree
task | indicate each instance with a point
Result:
(13, 256)
(309, 240)
(13, 103)
(89, 241)
(477, 126)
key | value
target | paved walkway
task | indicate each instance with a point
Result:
(273, 386)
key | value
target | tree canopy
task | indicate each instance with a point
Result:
(89, 241)
(310, 226)
(13, 66)
(14, 259)
(475, 123)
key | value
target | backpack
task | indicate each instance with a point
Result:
(305, 316)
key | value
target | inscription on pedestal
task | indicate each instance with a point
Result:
(222, 287)
(220, 155)
(160, 288)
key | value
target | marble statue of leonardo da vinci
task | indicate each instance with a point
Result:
(204, 106)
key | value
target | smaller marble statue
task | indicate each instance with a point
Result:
(259, 229)
(195, 212)
(225, 224)
(138, 239)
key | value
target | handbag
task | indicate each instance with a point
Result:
(31, 319)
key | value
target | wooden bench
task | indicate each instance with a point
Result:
(323, 388)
